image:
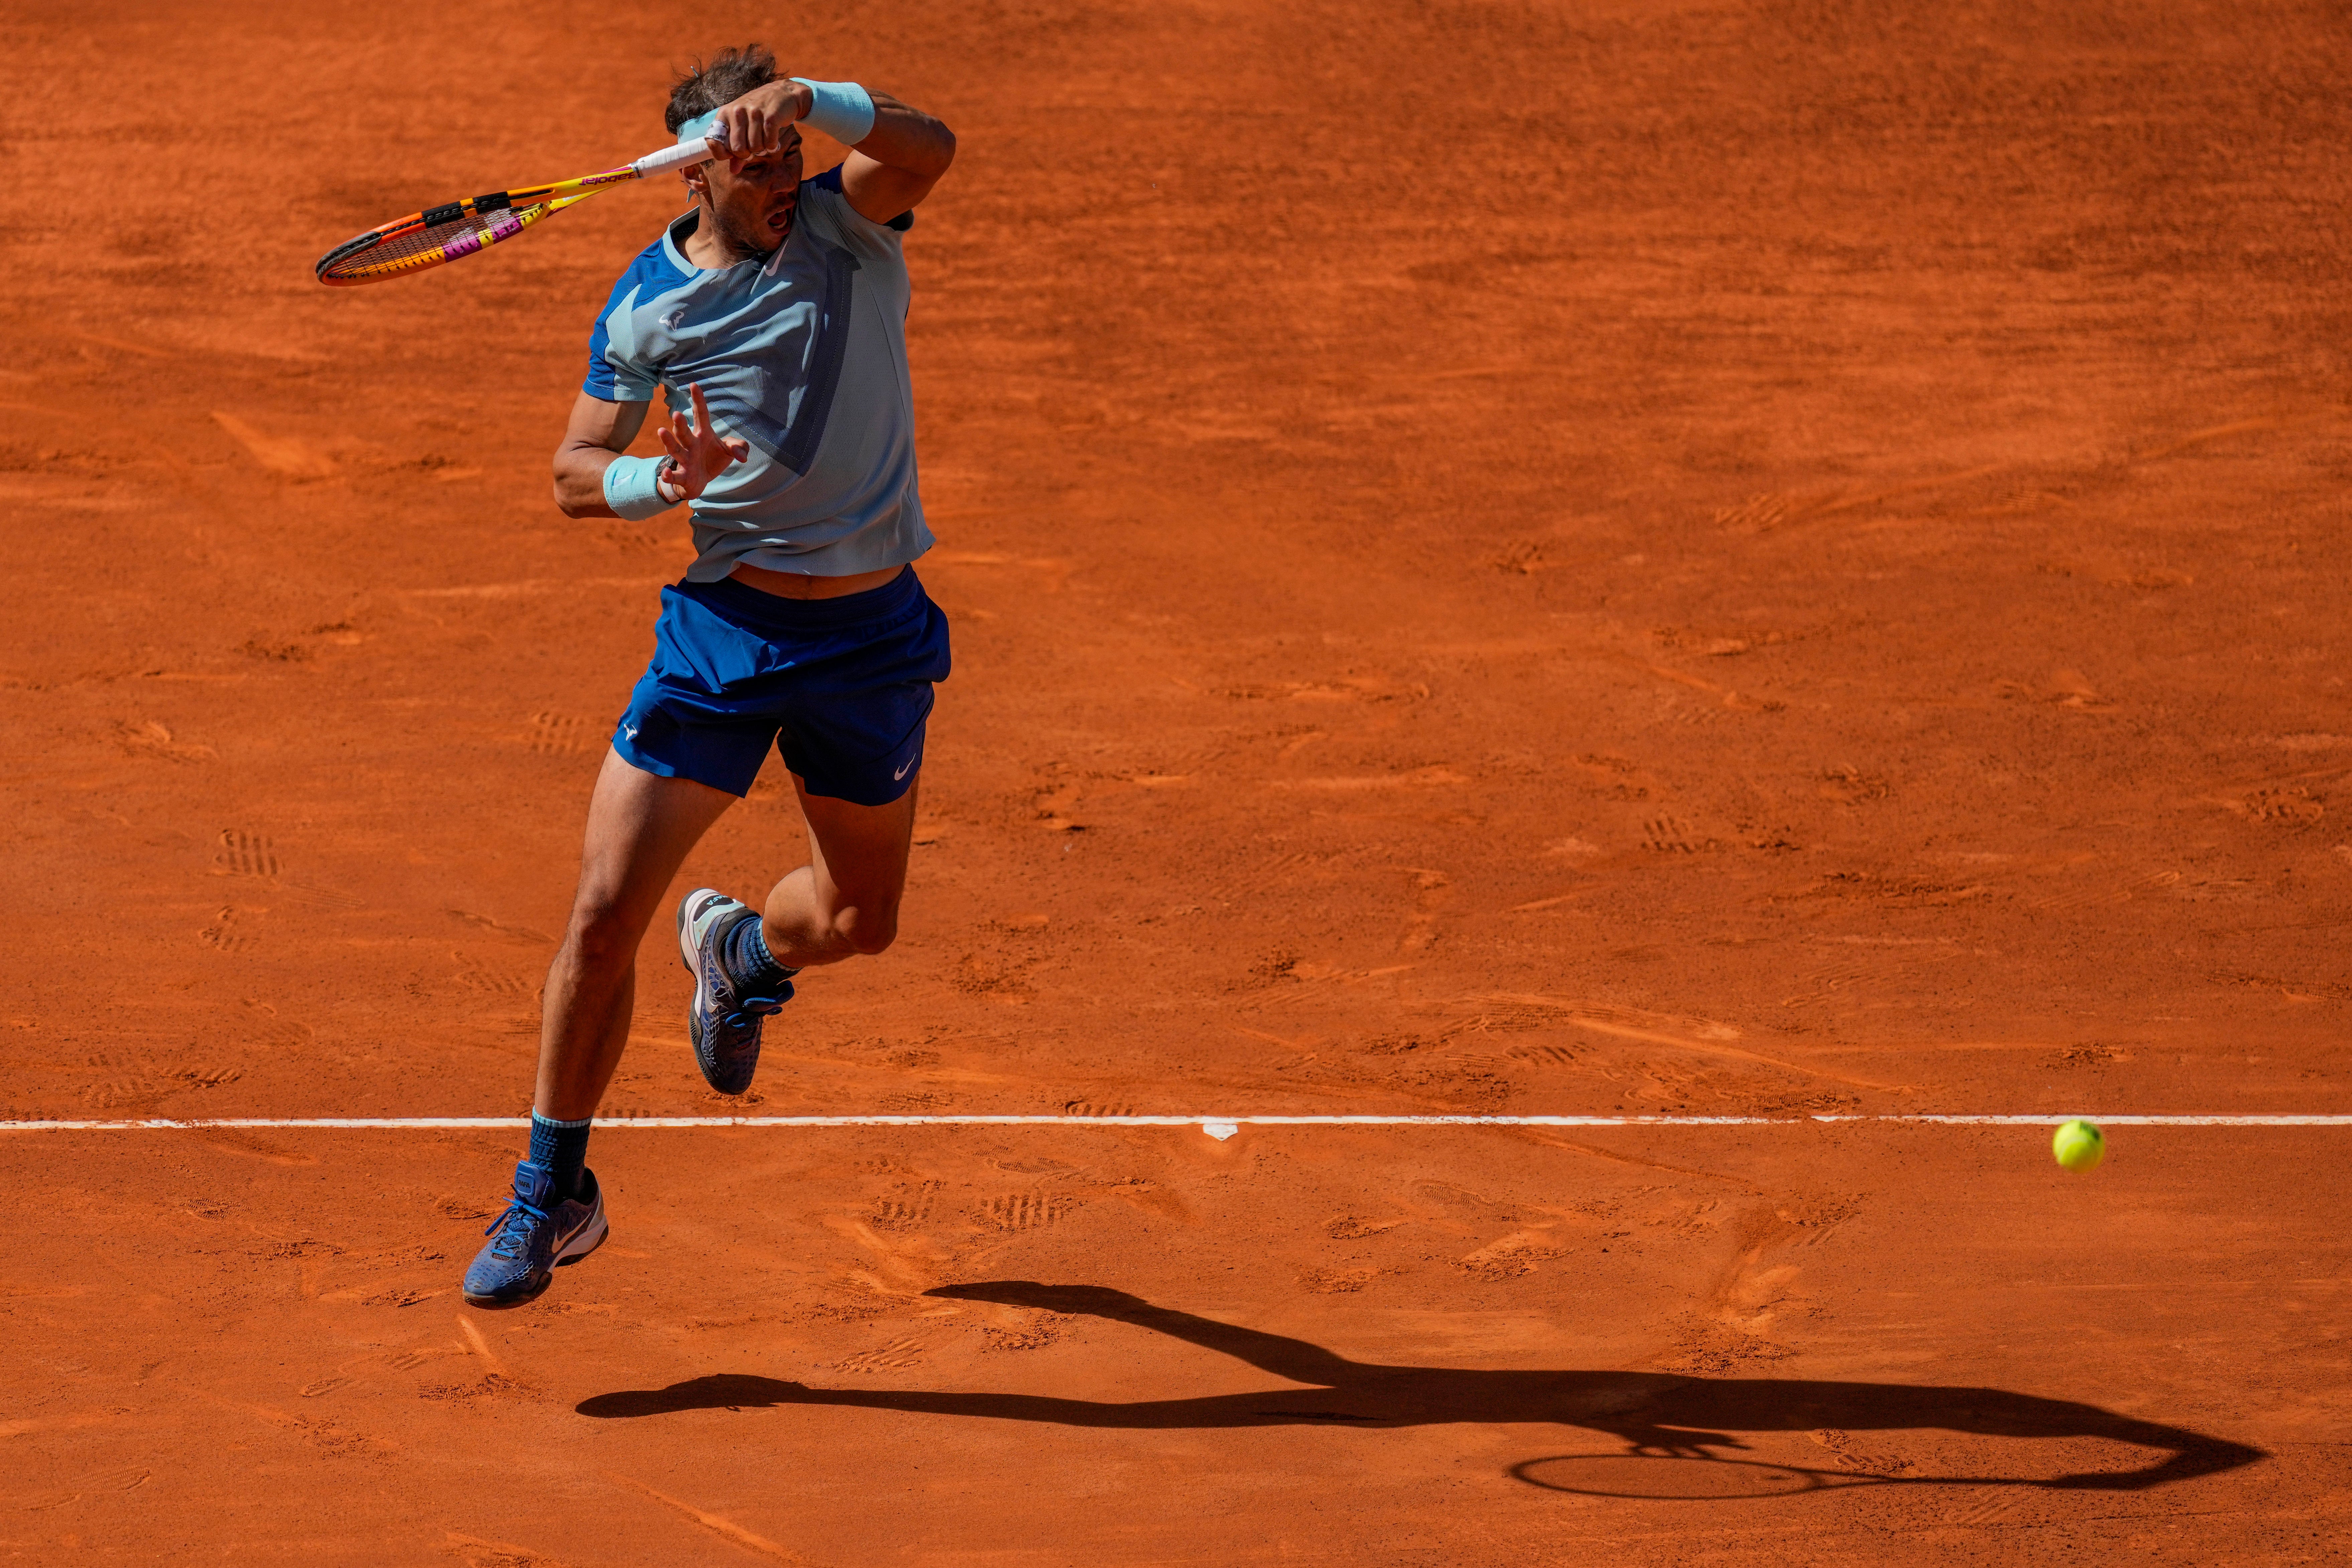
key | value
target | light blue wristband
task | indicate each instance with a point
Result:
(629, 488)
(843, 110)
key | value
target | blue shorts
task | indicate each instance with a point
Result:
(841, 687)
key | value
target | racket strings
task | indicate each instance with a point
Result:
(444, 233)
(428, 245)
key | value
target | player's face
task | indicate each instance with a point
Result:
(754, 204)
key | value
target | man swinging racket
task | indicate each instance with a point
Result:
(772, 317)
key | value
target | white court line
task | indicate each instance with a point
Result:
(413, 1123)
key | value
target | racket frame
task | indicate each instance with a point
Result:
(498, 215)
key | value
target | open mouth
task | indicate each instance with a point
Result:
(781, 220)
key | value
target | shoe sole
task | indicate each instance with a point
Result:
(688, 950)
(686, 937)
(595, 1231)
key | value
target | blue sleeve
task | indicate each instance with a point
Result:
(602, 382)
(613, 374)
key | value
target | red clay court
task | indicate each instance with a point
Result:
(1658, 563)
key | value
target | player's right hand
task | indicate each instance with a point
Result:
(701, 453)
(756, 124)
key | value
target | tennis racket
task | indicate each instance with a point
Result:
(437, 235)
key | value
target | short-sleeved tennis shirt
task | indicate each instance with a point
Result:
(803, 356)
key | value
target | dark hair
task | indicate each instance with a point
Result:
(722, 78)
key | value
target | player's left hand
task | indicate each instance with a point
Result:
(755, 125)
(701, 453)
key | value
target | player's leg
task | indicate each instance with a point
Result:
(852, 731)
(845, 902)
(640, 828)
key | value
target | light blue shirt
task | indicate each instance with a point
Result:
(803, 356)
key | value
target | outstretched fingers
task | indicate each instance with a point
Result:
(702, 454)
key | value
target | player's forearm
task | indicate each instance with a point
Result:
(579, 481)
(905, 138)
(597, 433)
(595, 476)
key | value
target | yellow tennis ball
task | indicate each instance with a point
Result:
(2079, 1145)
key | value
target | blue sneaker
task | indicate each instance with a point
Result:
(533, 1239)
(723, 1020)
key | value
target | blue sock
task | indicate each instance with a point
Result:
(562, 1148)
(749, 964)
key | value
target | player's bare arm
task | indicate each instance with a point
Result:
(599, 432)
(888, 172)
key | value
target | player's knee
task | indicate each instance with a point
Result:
(602, 937)
(870, 931)
(870, 939)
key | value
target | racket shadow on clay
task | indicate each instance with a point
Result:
(1713, 1477)
(1656, 1416)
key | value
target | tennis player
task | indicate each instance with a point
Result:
(771, 316)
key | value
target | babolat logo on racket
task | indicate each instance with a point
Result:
(443, 234)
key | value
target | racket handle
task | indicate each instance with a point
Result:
(683, 155)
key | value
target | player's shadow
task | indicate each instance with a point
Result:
(1661, 1414)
